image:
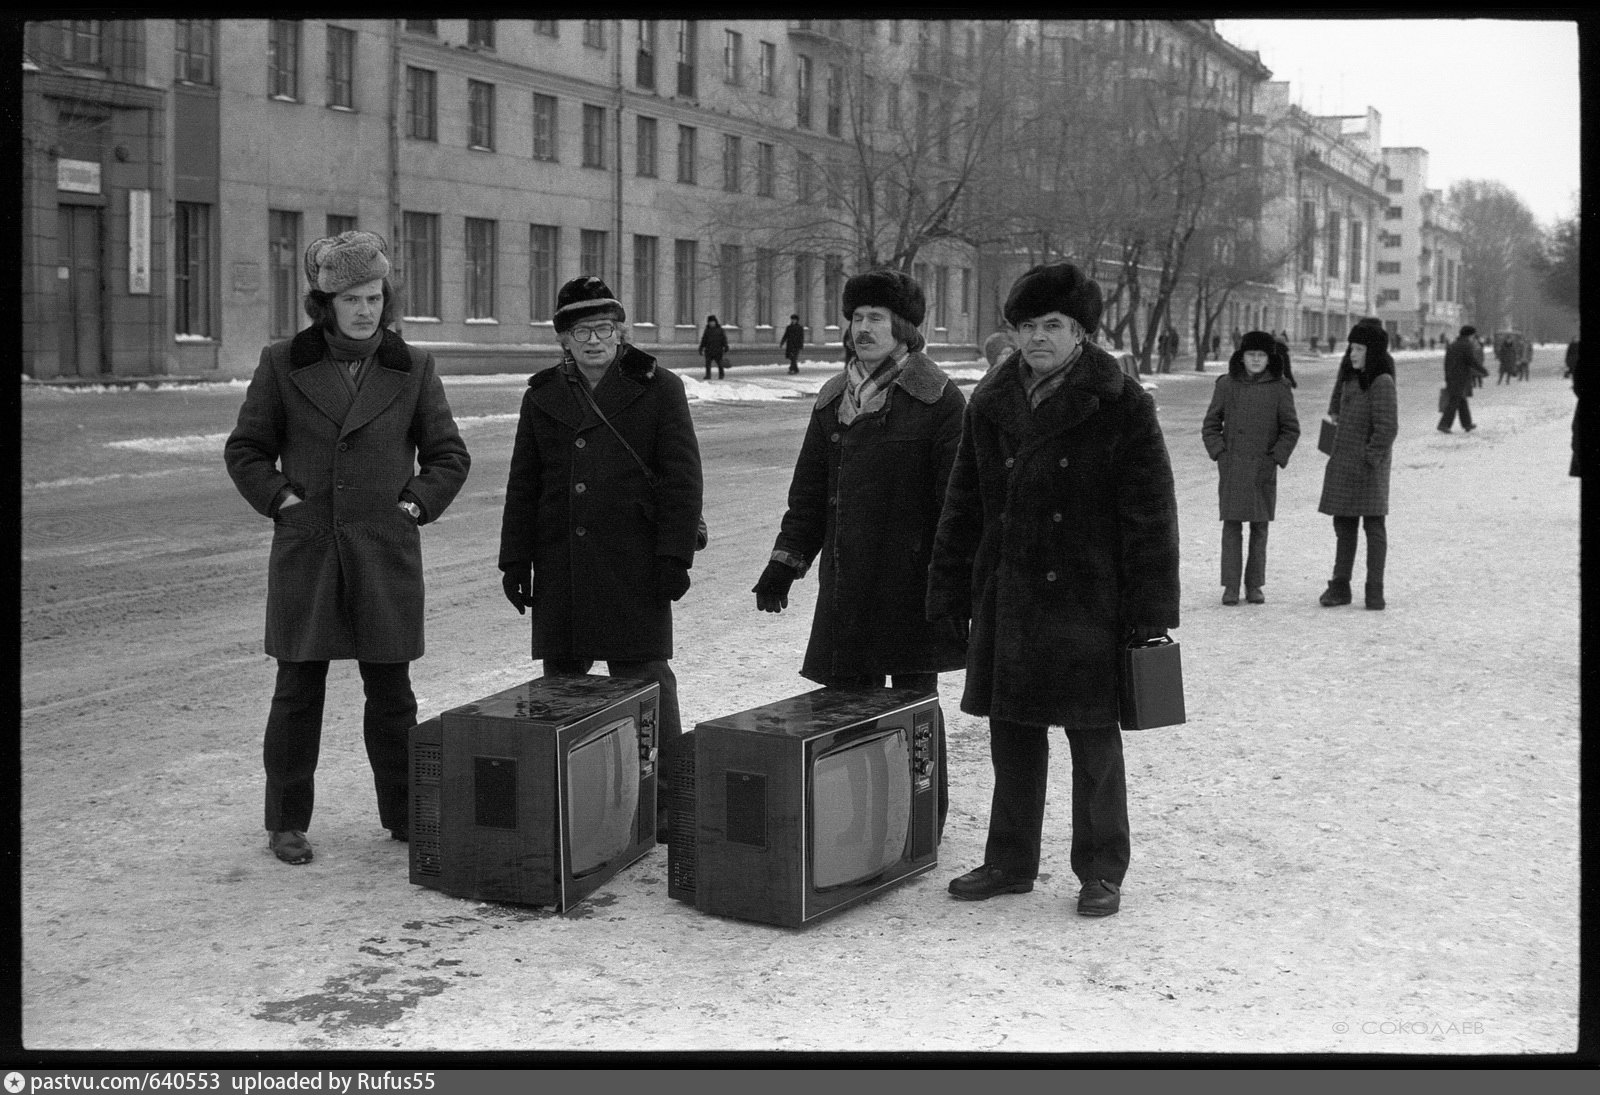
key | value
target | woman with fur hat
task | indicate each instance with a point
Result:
(595, 545)
(1355, 484)
(346, 441)
(1249, 430)
(1059, 541)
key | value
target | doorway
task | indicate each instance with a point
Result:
(79, 288)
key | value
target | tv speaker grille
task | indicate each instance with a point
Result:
(682, 833)
(427, 762)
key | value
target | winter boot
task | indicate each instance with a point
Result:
(1375, 595)
(1230, 595)
(1337, 593)
(1255, 596)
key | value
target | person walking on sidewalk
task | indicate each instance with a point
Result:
(714, 347)
(346, 441)
(1249, 430)
(602, 509)
(1355, 483)
(865, 498)
(793, 341)
(1463, 364)
(1059, 541)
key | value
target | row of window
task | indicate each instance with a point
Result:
(1334, 243)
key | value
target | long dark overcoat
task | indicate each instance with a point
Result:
(1249, 430)
(344, 579)
(713, 343)
(1059, 532)
(1356, 481)
(580, 510)
(794, 338)
(1463, 364)
(865, 498)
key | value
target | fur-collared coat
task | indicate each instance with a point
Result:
(581, 512)
(1356, 481)
(1059, 534)
(344, 579)
(1249, 430)
(866, 497)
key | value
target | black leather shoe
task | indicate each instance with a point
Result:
(986, 882)
(1099, 898)
(290, 846)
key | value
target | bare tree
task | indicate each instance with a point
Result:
(1556, 261)
(1497, 230)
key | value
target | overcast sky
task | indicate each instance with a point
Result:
(1488, 98)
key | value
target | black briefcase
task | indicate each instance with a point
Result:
(1325, 436)
(1152, 685)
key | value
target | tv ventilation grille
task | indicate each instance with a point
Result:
(681, 850)
(427, 762)
(425, 857)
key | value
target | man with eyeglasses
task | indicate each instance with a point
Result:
(602, 506)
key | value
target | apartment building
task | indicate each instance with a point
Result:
(1419, 254)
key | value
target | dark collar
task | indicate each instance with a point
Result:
(309, 347)
(920, 377)
(1001, 395)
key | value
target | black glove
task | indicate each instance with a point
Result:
(517, 581)
(772, 590)
(1145, 634)
(672, 577)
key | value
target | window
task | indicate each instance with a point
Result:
(805, 171)
(192, 280)
(283, 265)
(1389, 239)
(1388, 267)
(1394, 186)
(421, 105)
(283, 59)
(644, 68)
(480, 268)
(683, 263)
(423, 26)
(941, 296)
(766, 169)
(731, 258)
(544, 127)
(546, 27)
(420, 253)
(341, 67)
(802, 288)
(1357, 252)
(592, 252)
(869, 100)
(1393, 213)
(891, 101)
(594, 33)
(339, 223)
(480, 114)
(835, 99)
(195, 50)
(832, 277)
(644, 154)
(686, 55)
(480, 33)
(543, 262)
(732, 58)
(766, 76)
(594, 136)
(766, 276)
(1388, 296)
(1332, 248)
(81, 41)
(1308, 241)
(802, 91)
(966, 291)
(731, 150)
(894, 31)
(646, 252)
(686, 153)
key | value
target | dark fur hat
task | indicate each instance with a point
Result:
(886, 288)
(1370, 335)
(583, 297)
(1257, 340)
(1055, 287)
(1467, 332)
(335, 263)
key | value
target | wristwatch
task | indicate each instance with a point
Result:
(413, 509)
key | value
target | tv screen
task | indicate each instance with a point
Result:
(861, 809)
(602, 795)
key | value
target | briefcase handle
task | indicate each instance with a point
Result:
(1159, 640)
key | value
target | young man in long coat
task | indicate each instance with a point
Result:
(592, 544)
(865, 499)
(346, 442)
(1463, 365)
(1059, 540)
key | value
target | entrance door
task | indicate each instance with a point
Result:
(78, 283)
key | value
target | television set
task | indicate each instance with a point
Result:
(536, 795)
(789, 812)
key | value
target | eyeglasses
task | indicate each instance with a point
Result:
(599, 330)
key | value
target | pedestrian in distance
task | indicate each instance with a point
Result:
(602, 509)
(865, 499)
(346, 441)
(793, 341)
(998, 346)
(1249, 430)
(714, 347)
(1463, 365)
(1505, 355)
(1059, 541)
(1355, 483)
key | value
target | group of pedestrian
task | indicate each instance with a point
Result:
(714, 345)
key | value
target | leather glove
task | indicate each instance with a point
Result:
(517, 581)
(1145, 634)
(772, 589)
(672, 577)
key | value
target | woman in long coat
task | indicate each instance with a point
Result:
(1249, 430)
(1355, 484)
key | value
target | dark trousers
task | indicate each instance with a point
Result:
(922, 682)
(1344, 556)
(1233, 560)
(1100, 838)
(794, 361)
(669, 724)
(294, 738)
(1458, 405)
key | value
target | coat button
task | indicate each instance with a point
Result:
(339, 485)
(834, 437)
(1063, 461)
(579, 443)
(580, 488)
(1050, 576)
(1010, 460)
(1056, 517)
(580, 530)
(343, 445)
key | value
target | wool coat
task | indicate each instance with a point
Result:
(582, 513)
(794, 338)
(866, 498)
(1059, 534)
(1463, 364)
(1355, 482)
(1249, 430)
(344, 579)
(713, 343)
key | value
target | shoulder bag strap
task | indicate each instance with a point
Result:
(588, 396)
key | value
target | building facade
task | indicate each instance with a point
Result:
(1419, 248)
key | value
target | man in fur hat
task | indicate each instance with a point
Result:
(346, 442)
(1059, 541)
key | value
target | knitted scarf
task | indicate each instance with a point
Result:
(866, 391)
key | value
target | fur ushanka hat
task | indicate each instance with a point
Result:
(1371, 336)
(886, 288)
(335, 263)
(1055, 287)
(583, 297)
(1258, 340)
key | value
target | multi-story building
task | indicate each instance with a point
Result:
(1419, 254)
(176, 170)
